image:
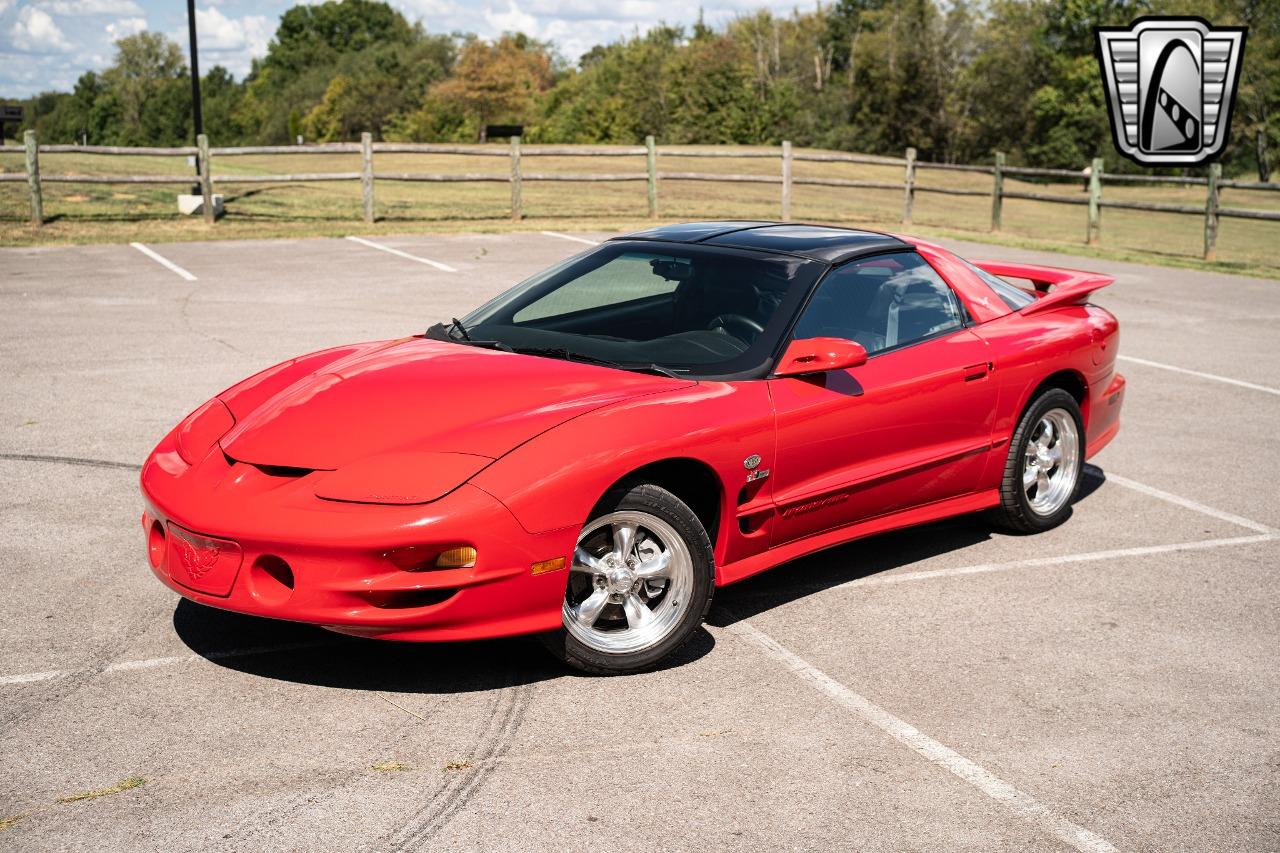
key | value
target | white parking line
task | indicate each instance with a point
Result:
(571, 237)
(1213, 376)
(1065, 559)
(152, 663)
(904, 577)
(398, 253)
(28, 677)
(163, 261)
(1265, 534)
(1023, 805)
(1187, 503)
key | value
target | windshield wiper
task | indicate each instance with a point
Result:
(654, 367)
(570, 355)
(441, 332)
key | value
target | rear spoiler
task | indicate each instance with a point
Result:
(1054, 287)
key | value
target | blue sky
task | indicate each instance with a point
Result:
(47, 44)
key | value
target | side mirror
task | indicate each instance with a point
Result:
(818, 355)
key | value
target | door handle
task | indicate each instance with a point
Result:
(977, 371)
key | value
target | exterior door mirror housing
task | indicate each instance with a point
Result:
(818, 355)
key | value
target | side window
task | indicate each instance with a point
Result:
(630, 276)
(882, 302)
(1012, 295)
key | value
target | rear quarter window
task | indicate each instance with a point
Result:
(1011, 295)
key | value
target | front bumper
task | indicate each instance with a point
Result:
(324, 562)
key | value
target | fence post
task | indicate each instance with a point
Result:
(997, 192)
(786, 181)
(33, 177)
(206, 178)
(651, 157)
(909, 187)
(366, 174)
(1094, 229)
(517, 203)
(1211, 211)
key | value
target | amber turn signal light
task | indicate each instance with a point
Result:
(457, 558)
(544, 566)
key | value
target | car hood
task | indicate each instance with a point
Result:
(420, 395)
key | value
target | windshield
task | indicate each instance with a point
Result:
(687, 310)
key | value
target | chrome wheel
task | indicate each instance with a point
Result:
(630, 583)
(1051, 462)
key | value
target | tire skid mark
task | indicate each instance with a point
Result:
(493, 710)
(70, 460)
(495, 741)
(262, 829)
(185, 311)
(24, 704)
(259, 825)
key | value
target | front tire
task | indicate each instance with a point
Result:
(640, 584)
(1043, 468)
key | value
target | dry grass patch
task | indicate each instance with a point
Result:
(148, 213)
(123, 785)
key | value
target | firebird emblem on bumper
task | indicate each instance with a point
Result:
(197, 561)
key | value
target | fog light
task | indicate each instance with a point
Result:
(457, 558)
(544, 566)
(155, 544)
(271, 580)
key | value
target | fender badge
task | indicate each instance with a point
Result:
(757, 475)
(752, 462)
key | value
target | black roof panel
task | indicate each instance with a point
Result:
(819, 242)
(692, 232)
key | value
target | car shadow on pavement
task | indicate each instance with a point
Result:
(864, 558)
(304, 654)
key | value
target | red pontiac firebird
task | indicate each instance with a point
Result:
(589, 455)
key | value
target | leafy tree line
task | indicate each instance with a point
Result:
(958, 79)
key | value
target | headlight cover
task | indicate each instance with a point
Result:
(400, 478)
(201, 430)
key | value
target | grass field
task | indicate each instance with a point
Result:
(85, 213)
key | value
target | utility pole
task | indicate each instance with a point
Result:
(197, 116)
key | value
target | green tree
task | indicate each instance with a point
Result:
(386, 62)
(496, 81)
(957, 79)
(150, 85)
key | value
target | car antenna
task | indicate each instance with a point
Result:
(466, 336)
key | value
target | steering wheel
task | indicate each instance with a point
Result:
(740, 326)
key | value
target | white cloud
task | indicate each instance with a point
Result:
(578, 25)
(220, 33)
(233, 32)
(35, 32)
(78, 8)
(590, 10)
(511, 20)
(230, 42)
(117, 30)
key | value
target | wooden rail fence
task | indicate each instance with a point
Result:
(368, 176)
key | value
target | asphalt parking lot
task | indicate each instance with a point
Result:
(1111, 684)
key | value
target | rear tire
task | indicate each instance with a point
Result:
(1043, 468)
(640, 584)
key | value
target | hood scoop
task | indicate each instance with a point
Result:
(281, 472)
